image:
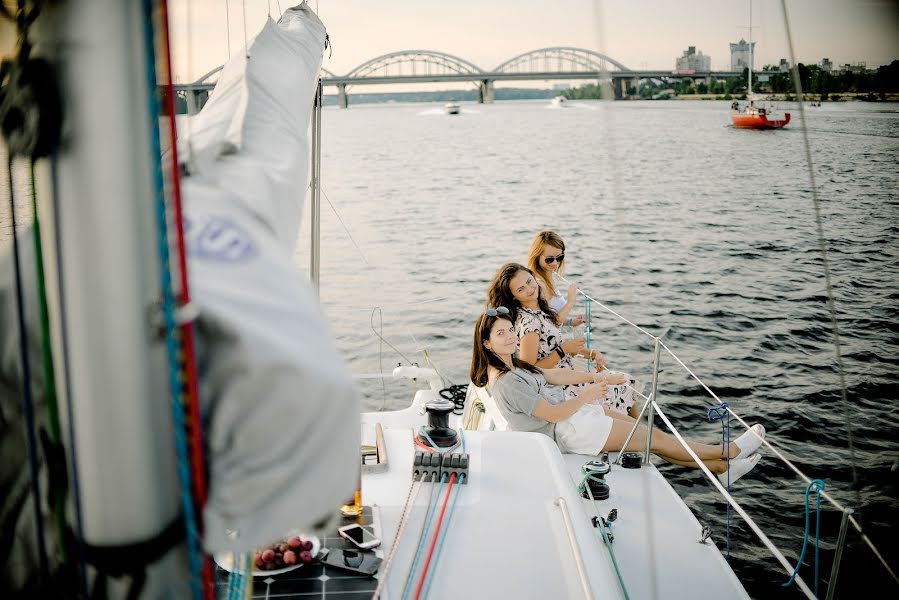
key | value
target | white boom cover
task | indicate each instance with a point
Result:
(282, 415)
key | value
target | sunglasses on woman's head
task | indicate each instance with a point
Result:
(551, 259)
(499, 310)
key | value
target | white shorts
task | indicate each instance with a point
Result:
(584, 432)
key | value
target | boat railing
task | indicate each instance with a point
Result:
(651, 405)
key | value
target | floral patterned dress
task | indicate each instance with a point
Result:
(618, 397)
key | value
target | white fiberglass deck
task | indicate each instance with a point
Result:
(508, 538)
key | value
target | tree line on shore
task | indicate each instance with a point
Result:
(874, 85)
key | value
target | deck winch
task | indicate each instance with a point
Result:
(438, 429)
(594, 477)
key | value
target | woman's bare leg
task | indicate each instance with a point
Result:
(663, 444)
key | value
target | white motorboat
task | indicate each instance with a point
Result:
(451, 108)
(559, 102)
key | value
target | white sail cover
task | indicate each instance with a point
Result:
(282, 416)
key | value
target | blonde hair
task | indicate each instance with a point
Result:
(541, 241)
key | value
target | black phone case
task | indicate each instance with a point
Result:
(368, 566)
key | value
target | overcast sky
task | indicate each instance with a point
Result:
(642, 34)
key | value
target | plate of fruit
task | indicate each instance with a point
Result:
(292, 552)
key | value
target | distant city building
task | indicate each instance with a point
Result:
(826, 65)
(783, 65)
(693, 61)
(739, 55)
(857, 68)
(561, 86)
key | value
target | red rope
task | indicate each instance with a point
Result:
(424, 570)
(192, 403)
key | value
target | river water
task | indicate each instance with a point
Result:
(684, 225)
(691, 229)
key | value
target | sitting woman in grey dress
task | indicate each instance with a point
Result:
(579, 424)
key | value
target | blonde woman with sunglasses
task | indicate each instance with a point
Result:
(545, 258)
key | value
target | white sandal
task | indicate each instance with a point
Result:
(750, 441)
(737, 468)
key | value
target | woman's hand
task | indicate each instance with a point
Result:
(573, 346)
(597, 358)
(596, 391)
(572, 293)
(578, 320)
(610, 378)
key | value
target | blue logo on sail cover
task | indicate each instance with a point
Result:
(220, 239)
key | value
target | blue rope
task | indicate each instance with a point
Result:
(442, 537)
(818, 485)
(432, 505)
(175, 379)
(584, 485)
(587, 301)
(721, 413)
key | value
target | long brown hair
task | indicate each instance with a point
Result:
(538, 245)
(482, 357)
(500, 292)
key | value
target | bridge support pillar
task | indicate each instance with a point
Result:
(618, 86)
(342, 100)
(485, 91)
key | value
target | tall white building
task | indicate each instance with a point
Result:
(739, 55)
(693, 61)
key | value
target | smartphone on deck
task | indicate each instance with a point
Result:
(361, 537)
(352, 560)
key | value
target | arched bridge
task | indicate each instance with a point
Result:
(429, 66)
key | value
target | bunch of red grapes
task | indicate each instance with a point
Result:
(284, 554)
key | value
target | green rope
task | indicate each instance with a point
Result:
(584, 486)
(55, 435)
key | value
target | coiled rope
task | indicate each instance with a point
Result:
(818, 485)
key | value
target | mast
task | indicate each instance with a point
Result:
(109, 281)
(749, 92)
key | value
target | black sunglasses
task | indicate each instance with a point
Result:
(551, 259)
(499, 310)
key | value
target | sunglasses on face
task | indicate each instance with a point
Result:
(499, 310)
(551, 259)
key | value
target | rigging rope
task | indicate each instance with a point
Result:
(426, 526)
(722, 413)
(414, 488)
(818, 485)
(585, 485)
(190, 464)
(822, 247)
(424, 569)
(27, 399)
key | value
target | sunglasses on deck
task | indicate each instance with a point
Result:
(551, 259)
(499, 310)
